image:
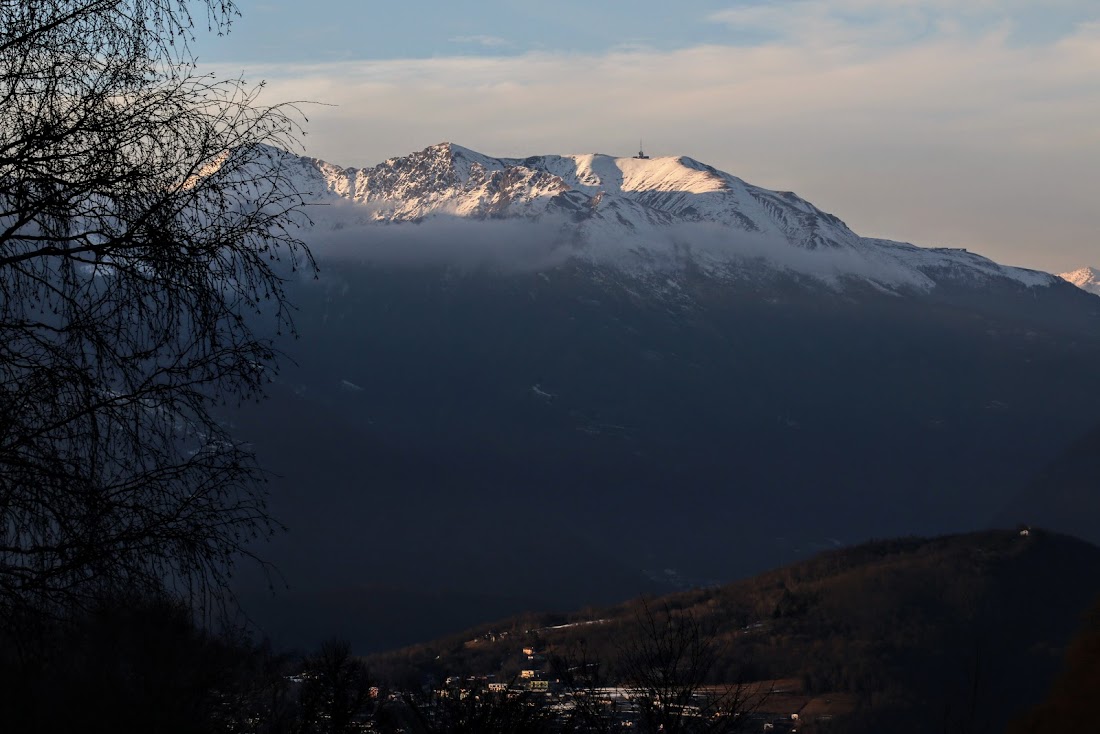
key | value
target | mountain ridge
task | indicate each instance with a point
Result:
(638, 215)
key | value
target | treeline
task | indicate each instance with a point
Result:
(140, 663)
(132, 663)
(959, 634)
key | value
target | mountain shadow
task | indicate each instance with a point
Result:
(1066, 493)
(576, 436)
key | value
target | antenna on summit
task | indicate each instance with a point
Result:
(641, 152)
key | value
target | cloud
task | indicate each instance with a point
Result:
(824, 23)
(463, 246)
(526, 246)
(483, 41)
(957, 138)
(877, 22)
(469, 245)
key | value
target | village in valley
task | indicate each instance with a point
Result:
(569, 692)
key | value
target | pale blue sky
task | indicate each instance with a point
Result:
(330, 30)
(340, 30)
(969, 123)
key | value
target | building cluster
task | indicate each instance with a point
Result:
(621, 706)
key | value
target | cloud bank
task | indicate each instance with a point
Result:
(470, 245)
(343, 236)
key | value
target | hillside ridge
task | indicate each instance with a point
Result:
(899, 622)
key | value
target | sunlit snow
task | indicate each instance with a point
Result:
(638, 215)
(1087, 279)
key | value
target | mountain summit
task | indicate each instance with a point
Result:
(641, 215)
(1087, 279)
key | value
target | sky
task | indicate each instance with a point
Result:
(960, 123)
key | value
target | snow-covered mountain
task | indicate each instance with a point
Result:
(694, 378)
(1087, 279)
(634, 213)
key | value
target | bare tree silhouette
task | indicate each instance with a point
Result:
(147, 225)
(665, 670)
(336, 690)
(668, 663)
(473, 710)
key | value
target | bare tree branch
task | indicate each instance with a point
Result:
(147, 228)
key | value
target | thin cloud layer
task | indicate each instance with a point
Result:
(344, 234)
(879, 23)
(506, 246)
(960, 135)
(484, 41)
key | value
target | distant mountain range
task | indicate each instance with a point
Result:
(544, 382)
